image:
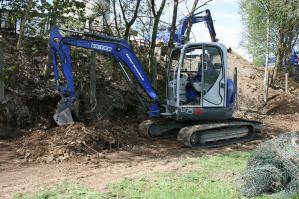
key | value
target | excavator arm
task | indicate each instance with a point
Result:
(179, 36)
(118, 48)
(197, 18)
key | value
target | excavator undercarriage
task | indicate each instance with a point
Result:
(203, 135)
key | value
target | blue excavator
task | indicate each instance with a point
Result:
(200, 98)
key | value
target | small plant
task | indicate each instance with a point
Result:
(7, 70)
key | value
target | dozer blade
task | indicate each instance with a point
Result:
(218, 134)
(64, 117)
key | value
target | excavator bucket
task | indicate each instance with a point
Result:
(64, 117)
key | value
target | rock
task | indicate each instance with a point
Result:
(49, 159)
(63, 157)
(101, 155)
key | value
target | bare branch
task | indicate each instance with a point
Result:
(152, 3)
(135, 13)
(115, 18)
(202, 5)
(123, 11)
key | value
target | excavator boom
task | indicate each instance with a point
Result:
(118, 48)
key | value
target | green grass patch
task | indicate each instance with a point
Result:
(210, 177)
(65, 190)
(214, 178)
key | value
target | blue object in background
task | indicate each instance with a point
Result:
(231, 93)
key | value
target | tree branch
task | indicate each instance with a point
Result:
(123, 12)
(135, 13)
(152, 3)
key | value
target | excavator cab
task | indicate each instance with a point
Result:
(198, 88)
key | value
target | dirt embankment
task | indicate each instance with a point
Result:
(251, 90)
(26, 113)
(30, 100)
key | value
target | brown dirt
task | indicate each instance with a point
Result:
(251, 90)
(284, 103)
(97, 170)
(62, 143)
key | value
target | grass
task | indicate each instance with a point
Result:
(61, 190)
(212, 178)
(209, 177)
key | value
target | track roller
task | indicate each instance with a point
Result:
(218, 134)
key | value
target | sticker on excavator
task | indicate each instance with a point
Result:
(64, 117)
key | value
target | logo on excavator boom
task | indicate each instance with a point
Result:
(137, 71)
(101, 47)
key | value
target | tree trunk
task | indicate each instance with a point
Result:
(115, 18)
(23, 25)
(285, 42)
(173, 30)
(279, 57)
(190, 20)
(92, 74)
(173, 24)
(1, 70)
(53, 21)
(127, 32)
(152, 62)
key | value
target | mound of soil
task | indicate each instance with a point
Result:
(251, 90)
(75, 140)
(284, 103)
(106, 124)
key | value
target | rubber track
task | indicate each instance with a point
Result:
(186, 133)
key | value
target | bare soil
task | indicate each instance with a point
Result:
(251, 90)
(97, 170)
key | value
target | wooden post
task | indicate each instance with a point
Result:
(236, 86)
(266, 78)
(286, 82)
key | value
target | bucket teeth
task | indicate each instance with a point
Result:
(144, 128)
(64, 117)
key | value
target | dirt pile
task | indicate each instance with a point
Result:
(251, 90)
(108, 122)
(76, 140)
(283, 103)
